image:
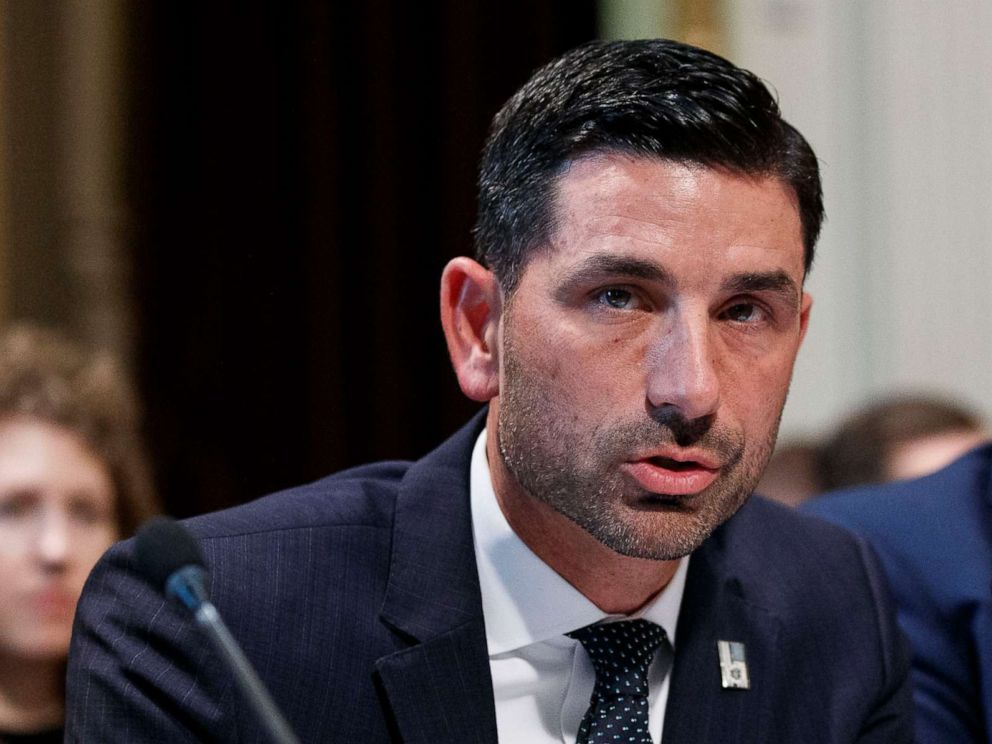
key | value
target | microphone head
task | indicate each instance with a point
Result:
(162, 547)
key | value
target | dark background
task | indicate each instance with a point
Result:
(299, 173)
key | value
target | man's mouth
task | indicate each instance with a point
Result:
(669, 476)
(676, 465)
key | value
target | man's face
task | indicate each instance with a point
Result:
(646, 354)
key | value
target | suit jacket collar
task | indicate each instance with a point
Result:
(439, 689)
(433, 584)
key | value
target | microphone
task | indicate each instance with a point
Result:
(170, 558)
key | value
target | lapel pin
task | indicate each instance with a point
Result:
(733, 665)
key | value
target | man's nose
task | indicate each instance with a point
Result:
(682, 369)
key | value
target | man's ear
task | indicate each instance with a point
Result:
(471, 305)
(805, 307)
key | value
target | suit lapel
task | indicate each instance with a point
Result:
(715, 608)
(439, 687)
(441, 690)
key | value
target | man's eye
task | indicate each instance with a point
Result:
(743, 312)
(621, 299)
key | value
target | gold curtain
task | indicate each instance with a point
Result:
(699, 22)
(63, 251)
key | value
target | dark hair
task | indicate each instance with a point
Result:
(656, 98)
(46, 377)
(859, 450)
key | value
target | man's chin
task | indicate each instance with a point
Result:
(658, 526)
(662, 503)
(668, 533)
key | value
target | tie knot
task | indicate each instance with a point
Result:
(621, 654)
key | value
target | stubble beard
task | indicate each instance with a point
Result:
(578, 473)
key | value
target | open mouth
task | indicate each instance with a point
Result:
(664, 476)
(677, 466)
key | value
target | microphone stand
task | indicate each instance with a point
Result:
(188, 585)
(209, 619)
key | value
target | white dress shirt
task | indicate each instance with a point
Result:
(542, 679)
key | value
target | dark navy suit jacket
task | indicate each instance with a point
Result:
(357, 599)
(934, 537)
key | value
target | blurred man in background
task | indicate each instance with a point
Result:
(894, 438)
(898, 438)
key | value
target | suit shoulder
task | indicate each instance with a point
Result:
(820, 590)
(359, 497)
(931, 534)
(782, 530)
(793, 560)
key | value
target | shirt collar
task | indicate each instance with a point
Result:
(524, 600)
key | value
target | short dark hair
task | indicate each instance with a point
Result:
(45, 376)
(655, 98)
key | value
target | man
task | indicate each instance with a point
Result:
(934, 536)
(557, 570)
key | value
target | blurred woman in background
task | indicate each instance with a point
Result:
(73, 480)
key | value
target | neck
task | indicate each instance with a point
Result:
(32, 694)
(615, 583)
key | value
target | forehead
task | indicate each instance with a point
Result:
(671, 211)
(38, 452)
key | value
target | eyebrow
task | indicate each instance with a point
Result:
(595, 267)
(771, 281)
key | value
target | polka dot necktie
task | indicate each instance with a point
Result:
(621, 654)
